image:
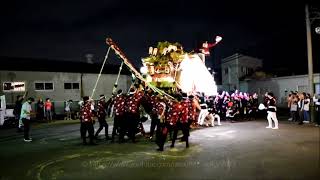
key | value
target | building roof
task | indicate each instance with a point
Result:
(239, 56)
(48, 65)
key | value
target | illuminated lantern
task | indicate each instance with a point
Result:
(150, 50)
(155, 51)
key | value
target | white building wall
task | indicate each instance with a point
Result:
(105, 84)
(30, 78)
(280, 86)
(59, 94)
(236, 63)
(230, 79)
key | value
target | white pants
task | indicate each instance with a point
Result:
(2, 117)
(20, 123)
(273, 116)
(202, 116)
(213, 117)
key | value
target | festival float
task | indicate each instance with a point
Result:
(169, 68)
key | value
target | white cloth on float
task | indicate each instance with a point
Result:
(195, 77)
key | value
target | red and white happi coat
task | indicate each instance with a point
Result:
(86, 113)
(133, 102)
(119, 104)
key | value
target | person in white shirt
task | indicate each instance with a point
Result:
(294, 107)
(316, 100)
(25, 117)
(306, 108)
(67, 109)
(272, 111)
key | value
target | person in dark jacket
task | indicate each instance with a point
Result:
(271, 110)
(17, 111)
(40, 110)
(86, 118)
(102, 113)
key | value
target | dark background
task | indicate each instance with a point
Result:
(67, 30)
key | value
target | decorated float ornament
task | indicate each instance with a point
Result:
(172, 48)
(164, 51)
(167, 69)
(172, 67)
(160, 69)
(150, 68)
(126, 61)
(149, 78)
(150, 50)
(169, 49)
(169, 66)
(166, 79)
(206, 46)
(155, 51)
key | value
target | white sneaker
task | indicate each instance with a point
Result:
(27, 140)
(219, 124)
(269, 127)
(275, 128)
(290, 119)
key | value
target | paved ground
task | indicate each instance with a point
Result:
(245, 150)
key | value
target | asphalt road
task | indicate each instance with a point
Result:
(245, 150)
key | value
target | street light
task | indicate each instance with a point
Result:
(317, 30)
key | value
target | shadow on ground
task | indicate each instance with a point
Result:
(245, 150)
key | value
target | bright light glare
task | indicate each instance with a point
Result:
(144, 70)
(317, 29)
(195, 76)
(149, 78)
(218, 38)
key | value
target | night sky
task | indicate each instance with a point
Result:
(69, 29)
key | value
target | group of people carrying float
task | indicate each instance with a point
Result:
(171, 110)
(168, 115)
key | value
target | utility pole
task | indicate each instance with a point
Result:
(309, 21)
(309, 46)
